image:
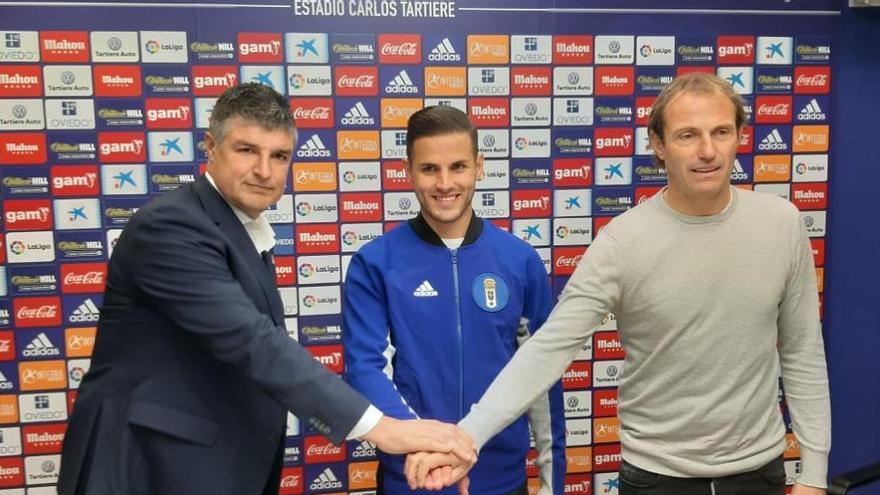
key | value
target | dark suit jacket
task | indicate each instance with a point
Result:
(193, 371)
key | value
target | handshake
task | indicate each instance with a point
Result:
(440, 454)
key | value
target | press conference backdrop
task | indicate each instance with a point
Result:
(104, 108)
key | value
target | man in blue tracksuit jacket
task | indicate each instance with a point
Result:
(435, 308)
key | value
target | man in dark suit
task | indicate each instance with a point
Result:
(193, 372)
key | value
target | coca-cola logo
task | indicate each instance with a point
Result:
(404, 49)
(88, 278)
(815, 80)
(44, 311)
(317, 113)
(777, 109)
(291, 481)
(568, 261)
(325, 449)
(361, 81)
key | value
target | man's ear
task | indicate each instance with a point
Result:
(657, 145)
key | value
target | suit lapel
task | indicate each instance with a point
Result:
(231, 226)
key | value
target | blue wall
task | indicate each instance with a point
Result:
(852, 322)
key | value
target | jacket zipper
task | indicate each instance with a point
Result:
(458, 333)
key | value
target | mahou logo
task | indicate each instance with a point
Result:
(317, 238)
(572, 50)
(37, 311)
(607, 346)
(613, 141)
(773, 109)
(357, 81)
(566, 259)
(122, 147)
(400, 49)
(531, 81)
(19, 81)
(117, 80)
(614, 81)
(330, 356)
(81, 278)
(529, 203)
(489, 112)
(64, 46)
(11, 471)
(23, 148)
(169, 113)
(319, 449)
(736, 50)
(75, 180)
(43, 439)
(812, 80)
(312, 113)
(394, 177)
(28, 214)
(360, 207)
(577, 375)
(810, 196)
(260, 48)
(212, 80)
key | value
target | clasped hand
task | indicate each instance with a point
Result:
(437, 470)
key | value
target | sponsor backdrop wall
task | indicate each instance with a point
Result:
(102, 109)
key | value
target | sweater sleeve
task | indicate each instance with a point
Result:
(802, 357)
(593, 290)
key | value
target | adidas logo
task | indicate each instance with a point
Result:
(812, 111)
(738, 173)
(358, 115)
(444, 52)
(401, 84)
(365, 449)
(40, 346)
(425, 290)
(326, 480)
(313, 148)
(87, 312)
(5, 384)
(773, 141)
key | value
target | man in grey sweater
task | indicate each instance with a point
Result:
(714, 291)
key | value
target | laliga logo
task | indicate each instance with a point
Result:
(17, 247)
(309, 301)
(306, 270)
(349, 238)
(562, 232)
(349, 177)
(152, 46)
(521, 143)
(303, 209)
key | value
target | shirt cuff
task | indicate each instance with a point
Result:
(814, 468)
(367, 422)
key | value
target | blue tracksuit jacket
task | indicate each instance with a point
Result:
(426, 329)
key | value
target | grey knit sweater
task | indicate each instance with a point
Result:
(710, 310)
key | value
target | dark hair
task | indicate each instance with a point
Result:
(255, 103)
(694, 82)
(437, 121)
